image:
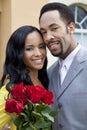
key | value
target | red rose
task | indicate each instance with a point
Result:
(19, 105)
(29, 91)
(48, 97)
(18, 93)
(13, 106)
(35, 93)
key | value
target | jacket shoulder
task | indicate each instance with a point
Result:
(52, 68)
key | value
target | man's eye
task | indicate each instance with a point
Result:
(44, 32)
(42, 46)
(54, 29)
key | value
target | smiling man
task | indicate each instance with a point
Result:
(70, 92)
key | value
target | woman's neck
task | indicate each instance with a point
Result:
(34, 78)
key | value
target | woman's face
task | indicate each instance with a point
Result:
(34, 51)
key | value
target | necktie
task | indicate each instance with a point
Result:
(59, 78)
(59, 75)
(63, 71)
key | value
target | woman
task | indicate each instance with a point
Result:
(26, 62)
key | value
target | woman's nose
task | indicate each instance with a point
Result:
(37, 52)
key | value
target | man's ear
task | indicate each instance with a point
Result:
(71, 27)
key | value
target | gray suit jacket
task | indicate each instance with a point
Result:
(71, 97)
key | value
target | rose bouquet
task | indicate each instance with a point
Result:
(30, 107)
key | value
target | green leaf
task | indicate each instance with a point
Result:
(16, 119)
(36, 115)
(49, 117)
(54, 113)
(40, 107)
(28, 108)
(46, 129)
(27, 128)
(47, 109)
(30, 105)
(20, 126)
(24, 115)
(43, 124)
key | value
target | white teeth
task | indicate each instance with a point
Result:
(37, 60)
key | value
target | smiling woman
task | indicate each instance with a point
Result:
(25, 62)
(34, 51)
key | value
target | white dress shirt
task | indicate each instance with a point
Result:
(65, 64)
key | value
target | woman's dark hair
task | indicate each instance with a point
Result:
(14, 67)
(65, 12)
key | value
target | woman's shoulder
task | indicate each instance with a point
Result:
(3, 88)
(3, 93)
(3, 97)
(4, 117)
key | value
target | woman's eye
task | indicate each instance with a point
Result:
(29, 49)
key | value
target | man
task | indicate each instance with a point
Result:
(68, 76)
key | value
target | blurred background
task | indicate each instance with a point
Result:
(16, 13)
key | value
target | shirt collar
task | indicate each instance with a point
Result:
(68, 60)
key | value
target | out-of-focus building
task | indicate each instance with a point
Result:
(15, 13)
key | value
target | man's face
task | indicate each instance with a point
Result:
(55, 33)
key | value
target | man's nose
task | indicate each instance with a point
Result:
(49, 36)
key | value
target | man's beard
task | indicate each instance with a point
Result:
(58, 54)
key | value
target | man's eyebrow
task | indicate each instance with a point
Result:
(51, 25)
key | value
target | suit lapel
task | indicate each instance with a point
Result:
(75, 68)
(55, 80)
(72, 73)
